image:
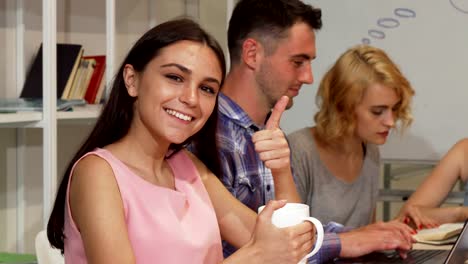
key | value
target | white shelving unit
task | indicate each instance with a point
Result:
(27, 119)
(20, 119)
(49, 118)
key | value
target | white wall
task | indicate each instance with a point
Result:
(427, 40)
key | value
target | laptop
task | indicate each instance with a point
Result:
(457, 255)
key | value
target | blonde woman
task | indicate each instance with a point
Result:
(361, 99)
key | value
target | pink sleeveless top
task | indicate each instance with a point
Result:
(164, 226)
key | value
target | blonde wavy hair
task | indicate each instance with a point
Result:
(344, 85)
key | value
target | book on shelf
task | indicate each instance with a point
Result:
(100, 93)
(12, 105)
(97, 83)
(68, 58)
(82, 78)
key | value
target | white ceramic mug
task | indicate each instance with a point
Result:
(293, 214)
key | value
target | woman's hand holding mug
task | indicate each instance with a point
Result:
(295, 213)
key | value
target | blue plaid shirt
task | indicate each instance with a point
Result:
(247, 178)
(244, 173)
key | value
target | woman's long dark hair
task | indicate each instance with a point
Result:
(116, 117)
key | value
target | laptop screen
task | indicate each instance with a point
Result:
(459, 252)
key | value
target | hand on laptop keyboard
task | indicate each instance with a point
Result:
(392, 235)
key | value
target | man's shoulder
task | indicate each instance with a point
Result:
(227, 107)
(231, 131)
(231, 113)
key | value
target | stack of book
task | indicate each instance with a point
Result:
(78, 77)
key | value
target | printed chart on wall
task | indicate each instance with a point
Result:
(429, 42)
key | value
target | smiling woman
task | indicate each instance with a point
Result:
(361, 99)
(162, 98)
(172, 91)
(133, 194)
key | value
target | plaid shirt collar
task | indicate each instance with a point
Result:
(231, 110)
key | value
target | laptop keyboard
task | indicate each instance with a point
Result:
(414, 256)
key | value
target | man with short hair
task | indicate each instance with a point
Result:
(271, 45)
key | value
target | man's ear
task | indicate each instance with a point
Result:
(252, 51)
(131, 80)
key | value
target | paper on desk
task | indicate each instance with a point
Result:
(447, 241)
(444, 234)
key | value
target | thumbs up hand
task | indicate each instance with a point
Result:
(270, 143)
